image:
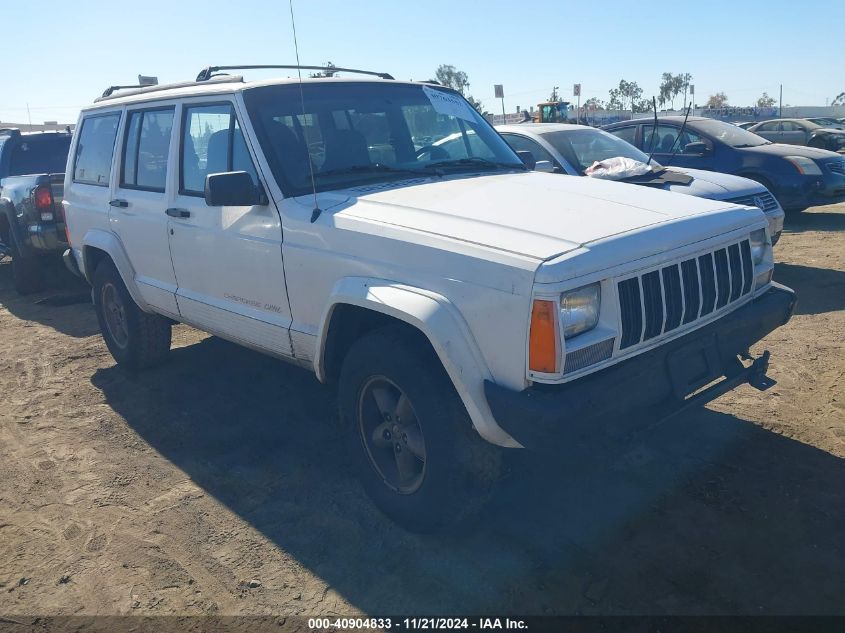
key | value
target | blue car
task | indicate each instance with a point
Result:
(799, 177)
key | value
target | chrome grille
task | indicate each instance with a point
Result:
(659, 301)
(765, 201)
(837, 167)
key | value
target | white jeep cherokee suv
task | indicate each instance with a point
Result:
(460, 302)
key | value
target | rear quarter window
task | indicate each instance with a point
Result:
(95, 148)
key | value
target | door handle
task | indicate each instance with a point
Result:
(117, 202)
(178, 213)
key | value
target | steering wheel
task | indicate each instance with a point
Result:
(435, 152)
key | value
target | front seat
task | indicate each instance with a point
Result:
(667, 143)
(217, 153)
(290, 152)
(345, 148)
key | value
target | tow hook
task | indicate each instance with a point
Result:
(757, 377)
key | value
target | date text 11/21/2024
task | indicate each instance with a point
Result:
(432, 623)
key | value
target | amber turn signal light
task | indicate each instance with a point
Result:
(542, 340)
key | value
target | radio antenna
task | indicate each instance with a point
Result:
(317, 211)
(653, 129)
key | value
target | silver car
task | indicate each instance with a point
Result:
(801, 132)
(571, 149)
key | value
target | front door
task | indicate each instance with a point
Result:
(227, 260)
(670, 148)
(139, 201)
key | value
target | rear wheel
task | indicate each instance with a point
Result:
(136, 339)
(413, 444)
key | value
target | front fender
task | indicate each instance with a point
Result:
(110, 243)
(441, 323)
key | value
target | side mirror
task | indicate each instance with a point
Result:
(527, 158)
(232, 189)
(698, 148)
(544, 165)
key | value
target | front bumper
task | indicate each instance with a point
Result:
(656, 383)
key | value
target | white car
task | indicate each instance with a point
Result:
(571, 149)
(461, 303)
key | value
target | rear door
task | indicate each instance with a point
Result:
(227, 260)
(139, 202)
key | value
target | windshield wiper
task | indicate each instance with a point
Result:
(375, 168)
(475, 160)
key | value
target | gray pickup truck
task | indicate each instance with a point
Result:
(32, 225)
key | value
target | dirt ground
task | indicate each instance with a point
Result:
(169, 492)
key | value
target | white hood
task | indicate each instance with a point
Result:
(539, 215)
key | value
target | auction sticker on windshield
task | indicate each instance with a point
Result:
(445, 103)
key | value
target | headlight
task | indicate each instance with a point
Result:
(759, 244)
(804, 165)
(579, 309)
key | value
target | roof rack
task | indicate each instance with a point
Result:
(207, 73)
(108, 93)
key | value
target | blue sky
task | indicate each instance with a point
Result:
(61, 55)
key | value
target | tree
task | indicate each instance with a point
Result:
(643, 105)
(449, 76)
(665, 93)
(682, 82)
(671, 86)
(593, 103)
(840, 100)
(326, 73)
(718, 100)
(554, 97)
(626, 96)
(765, 101)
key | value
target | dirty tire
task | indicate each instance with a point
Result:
(459, 466)
(145, 338)
(28, 274)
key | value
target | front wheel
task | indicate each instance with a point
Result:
(136, 339)
(416, 452)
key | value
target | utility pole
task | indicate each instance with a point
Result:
(780, 107)
(29, 117)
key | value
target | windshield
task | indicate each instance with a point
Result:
(39, 155)
(584, 147)
(355, 133)
(728, 134)
(826, 122)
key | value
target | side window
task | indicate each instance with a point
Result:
(212, 142)
(628, 133)
(94, 149)
(146, 149)
(768, 127)
(666, 139)
(523, 144)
